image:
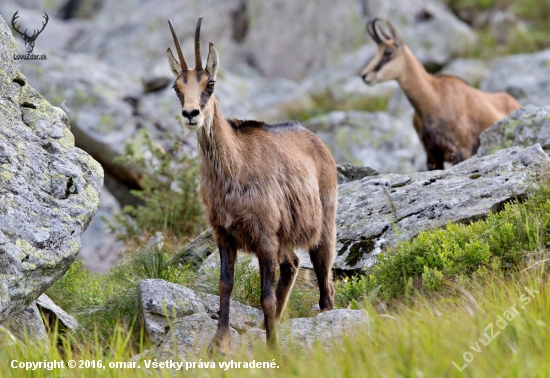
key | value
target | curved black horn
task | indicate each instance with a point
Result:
(183, 63)
(384, 34)
(198, 60)
(372, 30)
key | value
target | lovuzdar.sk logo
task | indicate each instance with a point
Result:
(29, 39)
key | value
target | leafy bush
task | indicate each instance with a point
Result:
(169, 182)
(503, 242)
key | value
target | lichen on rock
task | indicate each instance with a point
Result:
(49, 189)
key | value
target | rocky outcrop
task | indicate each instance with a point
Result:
(190, 336)
(336, 26)
(524, 76)
(182, 322)
(49, 188)
(163, 302)
(326, 328)
(524, 127)
(55, 315)
(377, 212)
(376, 140)
(28, 324)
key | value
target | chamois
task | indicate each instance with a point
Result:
(266, 189)
(449, 113)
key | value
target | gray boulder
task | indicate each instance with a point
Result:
(190, 336)
(28, 324)
(55, 314)
(285, 37)
(326, 328)
(195, 323)
(137, 40)
(524, 127)
(524, 76)
(348, 172)
(377, 140)
(242, 317)
(49, 188)
(377, 212)
(160, 300)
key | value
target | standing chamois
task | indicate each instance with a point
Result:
(266, 189)
(449, 113)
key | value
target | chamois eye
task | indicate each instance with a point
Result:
(210, 85)
(388, 53)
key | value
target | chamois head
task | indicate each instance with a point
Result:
(388, 62)
(194, 87)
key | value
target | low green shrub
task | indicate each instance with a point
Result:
(434, 260)
(169, 182)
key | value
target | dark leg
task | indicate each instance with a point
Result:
(435, 161)
(228, 252)
(322, 257)
(288, 272)
(268, 266)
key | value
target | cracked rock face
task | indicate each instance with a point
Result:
(377, 212)
(524, 127)
(49, 190)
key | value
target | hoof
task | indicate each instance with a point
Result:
(216, 348)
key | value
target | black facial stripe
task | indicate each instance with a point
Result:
(199, 75)
(184, 77)
(385, 59)
(205, 96)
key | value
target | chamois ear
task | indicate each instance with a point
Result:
(395, 35)
(174, 65)
(212, 62)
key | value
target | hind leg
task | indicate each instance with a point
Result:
(322, 257)
(268, 299)
(289, 270)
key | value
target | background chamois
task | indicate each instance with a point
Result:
(266, 189)
(449, 113)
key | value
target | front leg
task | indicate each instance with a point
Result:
(228, 253)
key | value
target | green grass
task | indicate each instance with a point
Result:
(533, 36)
(421, 338)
